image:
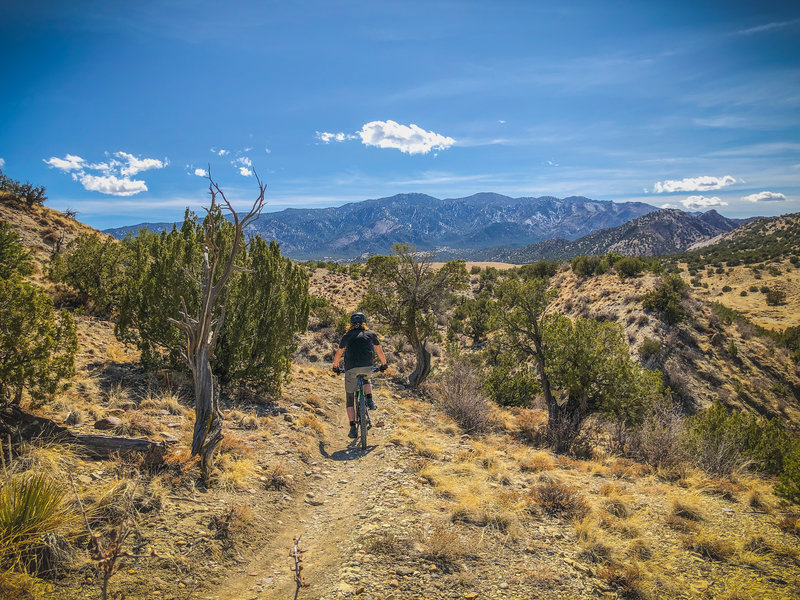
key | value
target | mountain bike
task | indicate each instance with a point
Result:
(362, 412)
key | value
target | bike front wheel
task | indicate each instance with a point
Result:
(362, 420)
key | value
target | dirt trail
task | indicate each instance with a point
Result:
(328, 516)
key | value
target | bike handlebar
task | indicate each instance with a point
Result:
(341, 371)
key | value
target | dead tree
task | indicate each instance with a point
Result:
(202, 329)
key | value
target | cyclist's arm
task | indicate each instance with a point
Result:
(381, 355)
(337, 357)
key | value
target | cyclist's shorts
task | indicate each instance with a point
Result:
(351, 378)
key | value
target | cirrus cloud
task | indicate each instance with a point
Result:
(702, 202)
(765, 197)
(409, 139)
(693, 184)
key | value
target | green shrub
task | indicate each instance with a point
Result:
(788, 485)
(776, 297)
(94, 267)
(721, 441)
(753, 288)
(14, 258)
(44, 343)
(585, 266)
(473, 316)
(649, 348)
(795, 260)
(474, 270)
(726, 288)
(508, 382)
(764, 289)
(733, 350)
(264, 304)
(667, 299)
(743, 293)
(629, 267)
(543, 269)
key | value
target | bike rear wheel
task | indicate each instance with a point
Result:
(362, 419)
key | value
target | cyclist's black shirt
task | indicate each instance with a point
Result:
(358, 347)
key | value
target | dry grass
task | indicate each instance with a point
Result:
(536, 462)
(38, 456)
(311, 422)
(445, 548)
(387, 543)
(686, 508)
(756, 501)
(681, 524)
(418, 440)
(709, 545)
(557, 499)
(278, 478)
(627, 580)
(134, 424)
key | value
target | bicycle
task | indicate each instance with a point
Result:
(362, 412)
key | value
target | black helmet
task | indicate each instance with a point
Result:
(357, 318)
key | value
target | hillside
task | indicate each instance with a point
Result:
(459, 224)
(757, 241)
(665, 231)
(430, 510)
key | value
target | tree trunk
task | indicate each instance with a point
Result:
(208, 418)
(21, 426)
(423, 366)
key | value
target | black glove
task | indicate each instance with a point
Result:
(335, 369)
(383, 367)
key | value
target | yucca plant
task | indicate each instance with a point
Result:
(31, 507)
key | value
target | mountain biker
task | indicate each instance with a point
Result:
(359, 346)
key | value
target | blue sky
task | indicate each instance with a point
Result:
(115, 107)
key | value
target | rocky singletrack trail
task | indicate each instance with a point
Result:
(328, 518)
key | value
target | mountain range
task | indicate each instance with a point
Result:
(460, 225)
(664, 231)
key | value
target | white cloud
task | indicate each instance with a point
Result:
(693, 184)
(326, 137)
(111, 177)
(2, 162)
(245, 165)
(409, 139)
(110, 184)
(702, 202)
(69, 163)
(501, 121)
(200, 172)
(765, 197)
(267, 150)
(137, 165)
(668, 205)
(223, 152)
